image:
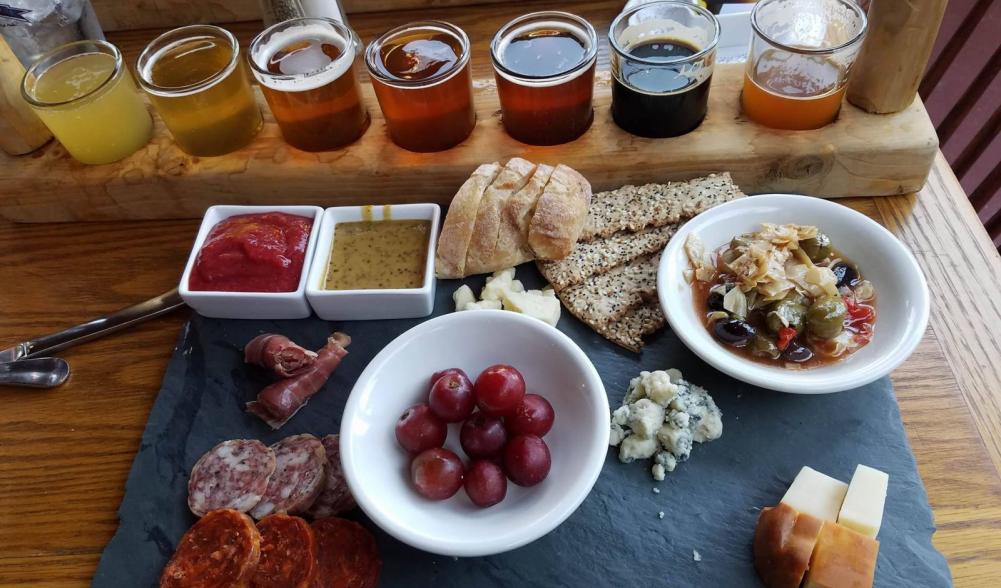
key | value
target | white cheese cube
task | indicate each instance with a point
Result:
(862, 509)
(517, 286)
(616, 435)
(462, 296)
(620, 416)
(636, 447)
(658, 473)
(816, 494)
(534, 304)
(659, 388)
(665, 460)
(497, 284)
(645, 417)
(483, 305)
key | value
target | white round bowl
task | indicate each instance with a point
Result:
(378, 469)
(901, 291)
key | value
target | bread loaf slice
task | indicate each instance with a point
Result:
(559, 214)
(480, 256)
(512, 240)
(457, 230)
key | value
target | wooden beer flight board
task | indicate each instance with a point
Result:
(859, 154)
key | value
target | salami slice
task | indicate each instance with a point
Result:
(233, 474)
(288, 553)
(221, 550)
(336, 497)
(349, 557)
(298, 478)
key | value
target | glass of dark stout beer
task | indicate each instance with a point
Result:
(306, 68)
(663, 54)
(544, 66)
(420, 73)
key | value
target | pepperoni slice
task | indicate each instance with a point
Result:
(299, 476)
(336, 497)
(288, 553)
(233, 474)
(349, 557)
(221, 550)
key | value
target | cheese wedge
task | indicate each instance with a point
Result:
(842, 558)
(862, 509)
(816, 494)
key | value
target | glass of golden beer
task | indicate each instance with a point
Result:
(420, 74)
(198, 83)
(84, 93)
(801, 54)
(307, 71)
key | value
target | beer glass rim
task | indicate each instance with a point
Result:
(589, 57)
(625, 14)
(342, 29)
(372, 54)
(857, 38)
(48, 59)
(146, 59)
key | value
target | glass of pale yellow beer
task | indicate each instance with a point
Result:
(84, 93)
(199, 85)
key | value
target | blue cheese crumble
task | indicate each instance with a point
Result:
(661, 416)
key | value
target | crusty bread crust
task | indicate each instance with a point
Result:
(457, 230)
(559, 214)
(480, 256)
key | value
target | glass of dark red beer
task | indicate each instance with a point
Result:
(544, 67)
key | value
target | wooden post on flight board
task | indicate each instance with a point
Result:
(889, 68)
(20, 130)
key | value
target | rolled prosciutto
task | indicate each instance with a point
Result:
(278, 402)
(279, 354)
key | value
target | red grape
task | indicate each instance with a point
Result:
(499, 389)
(526, 460)
(451, 397)
(485, 483)
(482, 435)
(419, 429)
(534, 416)
(435, 376)
(437, 473)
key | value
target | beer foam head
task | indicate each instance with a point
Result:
(318, 68)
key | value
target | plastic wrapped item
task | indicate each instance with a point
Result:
(33, 27)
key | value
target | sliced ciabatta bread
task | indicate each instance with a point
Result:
(457, 230)
(483, 245)
(559, 214)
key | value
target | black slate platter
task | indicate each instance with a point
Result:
(616, 538)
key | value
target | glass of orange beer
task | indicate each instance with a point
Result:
(308, 71)
(801, 54)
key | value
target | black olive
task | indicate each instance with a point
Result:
(734, 332)
(715, 301)
(845, 274)
(797, 352)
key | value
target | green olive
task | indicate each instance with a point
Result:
(762, 346)
(786, 313)
(818, 248)
(826, 317)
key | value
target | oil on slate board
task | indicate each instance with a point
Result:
(615, 538)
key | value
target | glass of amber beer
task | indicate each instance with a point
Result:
(306, 68)
(544, 67)
(199, 86)
(801, 54)
(420, 74)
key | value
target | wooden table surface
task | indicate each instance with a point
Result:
(65, 453)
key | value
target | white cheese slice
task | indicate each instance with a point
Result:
(816, 494)
(463, 296)
(862, 509)
(534, 303)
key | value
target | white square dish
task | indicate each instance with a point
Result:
(250, 305)
(375, 303)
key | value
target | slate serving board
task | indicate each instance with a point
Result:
(615, 538)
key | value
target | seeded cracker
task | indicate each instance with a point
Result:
(608, 297)
(599, 256)
(636, 324)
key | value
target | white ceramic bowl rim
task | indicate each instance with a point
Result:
(680, 310)
(487, 544)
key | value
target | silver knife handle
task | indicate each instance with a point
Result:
(101, 326)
